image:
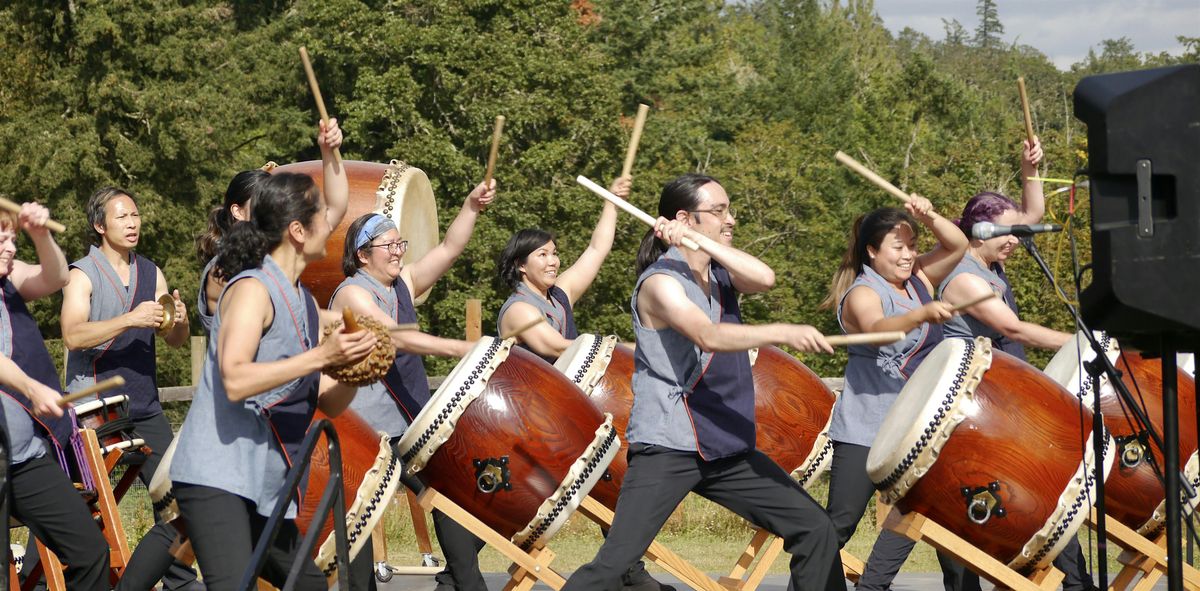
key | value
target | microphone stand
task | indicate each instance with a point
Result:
(1170, 448)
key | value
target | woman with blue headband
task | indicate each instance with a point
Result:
(379, 284)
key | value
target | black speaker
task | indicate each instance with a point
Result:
(1143, 131)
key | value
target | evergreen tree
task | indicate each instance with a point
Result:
(989, 30)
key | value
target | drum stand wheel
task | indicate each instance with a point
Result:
(1144, 560)
(917, 527)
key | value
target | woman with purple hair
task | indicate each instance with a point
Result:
(982, 271)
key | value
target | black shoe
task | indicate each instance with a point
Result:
(637, 579)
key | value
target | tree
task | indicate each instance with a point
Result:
(989, 30)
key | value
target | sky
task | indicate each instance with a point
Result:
(1061, 29)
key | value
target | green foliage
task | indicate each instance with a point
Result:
(171, 99)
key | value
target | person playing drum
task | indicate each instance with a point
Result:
(692, 423)
(43, 497)
(110, 314)
(379, 285)
(884, 284)
(529, 265)
(981, 272)
(260, 386)
(236, 208)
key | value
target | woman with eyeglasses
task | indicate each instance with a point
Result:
(529, 265)
(378, 284)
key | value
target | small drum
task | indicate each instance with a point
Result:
(992, 449)
(792, 405)
(370, 473)
(1133, 494)
(511, 441)
(396, 190)
(370, 476)
(109, 418)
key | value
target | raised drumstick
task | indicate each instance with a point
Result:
(16, 208)
(1025, 108)
(349, 321)
(98, 387)
(978, 300)
(316, 90)
(866, 338)
(870, 175)
(631, 152)
(627, 206)
(521, 329)
(491, 165)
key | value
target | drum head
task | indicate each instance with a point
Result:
(923, 415)
(95, 405)
(162, 497)
(395, 190)
(1066, 367)
(586, 360)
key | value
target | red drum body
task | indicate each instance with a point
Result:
(792, 406)
(370, 476)
(1133, 493)
(792, 409)
(511, 441)
(109, 418)
(396, 190)
(991, 448)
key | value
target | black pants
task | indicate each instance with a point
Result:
(460, 548)
(152, 560)
(224, 528)
(44, 499)
(750, 485)
(850, 490)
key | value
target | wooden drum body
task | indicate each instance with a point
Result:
(511, 441)
(370, 476)
(109, 418)
(1133, 494)
(396, 190)
(989, 447)
(792, 405)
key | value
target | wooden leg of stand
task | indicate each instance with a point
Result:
(521, 579)
(420, 527)
(657, 553)
(1154, 556)
(916, 527)
(852, 567)
(747, 572)
(106, 504)
(52, 568)
(538, 566)
(127, 479)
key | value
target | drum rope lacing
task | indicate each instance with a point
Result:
(1084, 495)
(932, 428)
(387, 187)
(817, 462)
(442, 416)
(566, 499)
(593, 351)
(364, 517)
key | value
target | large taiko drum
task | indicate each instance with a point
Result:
(1133, 494)
(511, 441)
(370, 476)
(792, 406)
(990, 448)
(396, 190)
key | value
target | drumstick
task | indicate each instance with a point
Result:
(978, 300)
(98, 387)
(1025, 108)
(349, 321)
(628, 207)
(866, 338)
(870, 175)
(631, 152)
(522, 329)
(316, 90)
(491, 165)
(16, 208)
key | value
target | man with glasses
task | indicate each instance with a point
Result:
(378, 284)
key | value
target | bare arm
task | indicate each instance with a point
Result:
(336, 184)
(747, 272)
(576, 280)
(78, 333)
(178, 334)
(334, 397)
(542, 338)
(246, 311)
(863, 312)
(422, 274)
(51, 272)
(409, 341)
(1033, 201)
(996, 314)
(662, 303)
(44, 399)
(938, 263)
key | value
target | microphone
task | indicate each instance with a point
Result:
(985, 230)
